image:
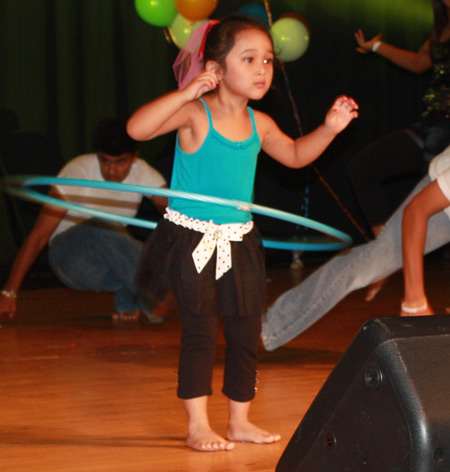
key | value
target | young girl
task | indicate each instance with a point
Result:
(218, 141)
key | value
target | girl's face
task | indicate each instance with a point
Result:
(249, 65)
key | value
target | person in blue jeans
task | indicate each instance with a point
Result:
(86, 253)
(300, 307)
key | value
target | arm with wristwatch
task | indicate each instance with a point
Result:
(417, 62)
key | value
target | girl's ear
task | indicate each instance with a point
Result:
(213, 66)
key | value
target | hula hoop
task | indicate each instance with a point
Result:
(20, 186)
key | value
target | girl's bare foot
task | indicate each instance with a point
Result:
(248, 432)
(206, 440)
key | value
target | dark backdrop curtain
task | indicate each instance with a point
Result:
(67, 63)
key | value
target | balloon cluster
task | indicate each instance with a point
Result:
(290, 32)
(181, 17)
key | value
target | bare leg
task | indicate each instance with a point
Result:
(200, 435)
(240, 428)
(426, 203)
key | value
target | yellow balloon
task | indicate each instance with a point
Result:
(290, 38)
(195, 10)
(181, 30)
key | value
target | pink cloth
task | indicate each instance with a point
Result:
(189, 62)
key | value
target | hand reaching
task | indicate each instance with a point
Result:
(343, 111)
(364, 47)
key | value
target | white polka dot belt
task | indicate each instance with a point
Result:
(215, 237)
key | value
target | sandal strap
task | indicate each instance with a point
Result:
(418, 309)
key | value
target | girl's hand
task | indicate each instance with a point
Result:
(7, 306)
(343, 111)
(366, 46)
(203, 83)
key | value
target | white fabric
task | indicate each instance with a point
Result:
(215, 237)
(87, 167)
(439, 170)
(444, 184)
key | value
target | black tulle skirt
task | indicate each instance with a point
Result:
(166, 263)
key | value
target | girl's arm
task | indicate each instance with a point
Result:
(169, 112)
(304, 150)
(417, 62)
(414, 229)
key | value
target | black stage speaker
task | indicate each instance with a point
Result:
(385, 406)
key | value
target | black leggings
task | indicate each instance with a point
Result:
(238, 298)
(197, 355)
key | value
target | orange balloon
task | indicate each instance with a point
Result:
(195, 10)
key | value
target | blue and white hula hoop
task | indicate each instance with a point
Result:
(20, 186)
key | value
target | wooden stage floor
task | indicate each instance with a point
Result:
(78, 394)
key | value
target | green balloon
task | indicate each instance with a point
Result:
(181, 29)
(156, 12)
(290, 38)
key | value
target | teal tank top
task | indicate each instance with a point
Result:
(221, 168)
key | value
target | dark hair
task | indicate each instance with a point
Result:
(440, 20)
(111, 137)
(221, 38)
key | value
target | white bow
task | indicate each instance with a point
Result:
(219, 236)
